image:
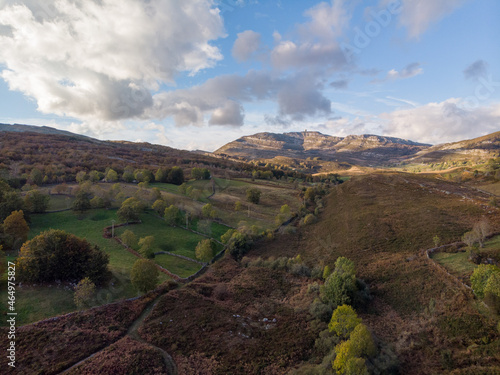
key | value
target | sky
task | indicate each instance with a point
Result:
(196, 74)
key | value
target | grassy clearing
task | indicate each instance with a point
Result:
(60, 202)
(180, 267)
(456, 263)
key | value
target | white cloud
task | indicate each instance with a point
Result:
(297, 95)
(247, 43)
(418, 15)
(317, 39)
(100, 59)
(411, 70)
(446, 121)
(231, 113)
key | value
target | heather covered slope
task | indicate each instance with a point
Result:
(383, 222)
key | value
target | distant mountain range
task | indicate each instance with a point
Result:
(362, 150)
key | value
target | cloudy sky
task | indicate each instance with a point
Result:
(196, 74)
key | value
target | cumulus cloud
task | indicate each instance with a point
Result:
(317, 39)
(418, 15)
(247, 43)
(229, 114)
(297, 95)
(411, 70)
(477, 69)
(446, 121)
(101, 59)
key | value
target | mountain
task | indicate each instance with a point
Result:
(485, 147)
(364, 150)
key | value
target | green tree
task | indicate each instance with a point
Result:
(161, 175)
(340, 286)
(356, 366)
(492, 292)
(130, 210)
(57, 255)
(362, 339)
(253, 195)
(172, 215)
(146, 246)
(205, 250)
(95, 176)
(208, 211)
(480, 276)
(82, 201)
(15, 229)
(183, 188)
(176, 176)
(129, 238)
(36, 202)
(36, 177)
(81, 177)
(144, 275)
(84, 293)
(159, 206)
(111, 175)
(237, 206)
(344, 320)
(227, 236)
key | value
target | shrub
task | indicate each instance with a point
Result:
(84, 293)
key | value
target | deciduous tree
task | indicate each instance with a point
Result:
(205, 250)
(15, 229)
(144, 275)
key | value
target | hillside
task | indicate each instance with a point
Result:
(481, 148)
(364, 150)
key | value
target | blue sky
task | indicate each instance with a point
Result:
(197, 74)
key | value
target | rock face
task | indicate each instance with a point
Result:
(357, 149)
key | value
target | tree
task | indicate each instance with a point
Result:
(482, 229)
(200, 173)
(227, 236)
(172, 214)
(480, 276)
(36, 177)
(340, 286)
(144, 275)
(492, 292)
(161, 175)
(15, 229)
(205, 250)
(237, 206)
(176, 176)
(81, 177)
(344, 320)
(470, 238)
(146, 246)
(362, 340)
(82, 201)
(129, 238)
(253, 195)
(182, 188)
(57, 255)
(208, 211)
(159, 206)
(95, 176)
(36, 202)
(111, 176)
(9, 201)
(84, 293)
(130, 210)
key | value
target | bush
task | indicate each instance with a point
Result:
(253, 195)
(340, 286)
(320, 310)
(57, 255)
(84, 293)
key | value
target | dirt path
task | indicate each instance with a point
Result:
(133, 333)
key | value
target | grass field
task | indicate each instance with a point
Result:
(180, 267)
(38, 302)
(456, 263)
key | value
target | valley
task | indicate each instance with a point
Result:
(398, 210)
